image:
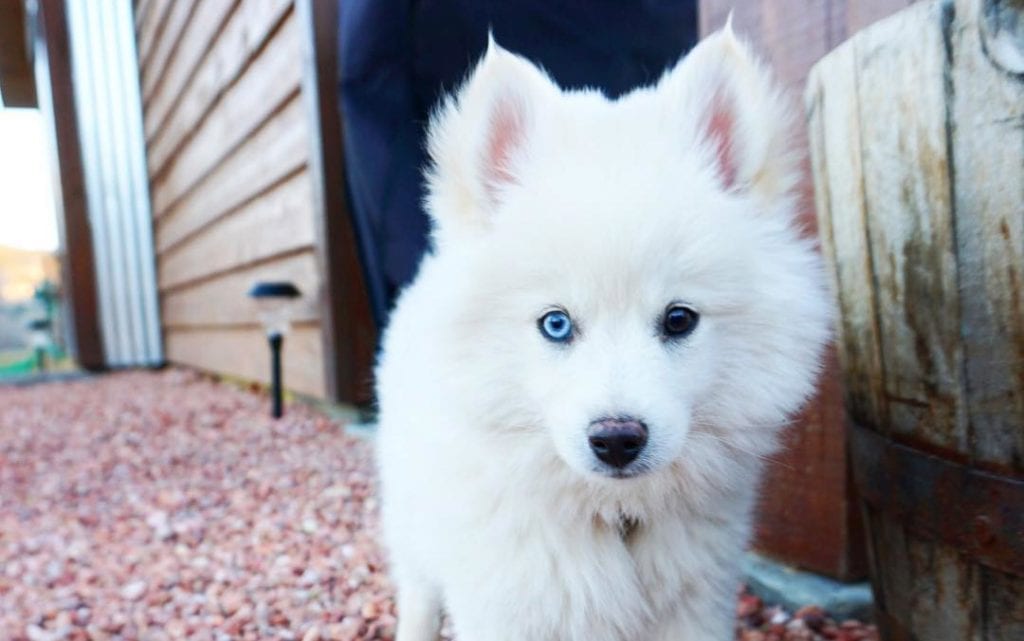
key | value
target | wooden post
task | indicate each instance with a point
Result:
(349, 333)
(918, 149)
(17, 85)
(57, 102)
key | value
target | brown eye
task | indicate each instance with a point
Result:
(679, 321)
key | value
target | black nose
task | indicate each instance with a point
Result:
(617, 441)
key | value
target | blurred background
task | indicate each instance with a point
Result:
(158, 158)
(29, 256)
(180, 179)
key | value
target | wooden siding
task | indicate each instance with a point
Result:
(808, 516)
(17, 85)
(228, 145)
(242, 352)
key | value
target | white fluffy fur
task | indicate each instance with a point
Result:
(494, 507)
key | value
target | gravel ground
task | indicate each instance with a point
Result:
(164, 505)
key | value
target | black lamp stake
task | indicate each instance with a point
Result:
(276, 339)
(275, 299)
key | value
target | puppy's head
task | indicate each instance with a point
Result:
(627, 272)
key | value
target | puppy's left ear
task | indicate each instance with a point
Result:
(480, 139)
(730, 109)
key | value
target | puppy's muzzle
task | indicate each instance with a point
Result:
(617, 441)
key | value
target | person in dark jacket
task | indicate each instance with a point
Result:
(398, 58)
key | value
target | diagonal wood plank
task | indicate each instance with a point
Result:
(273, 79)
(175, 23)
(202, 32)
(279, 221)
(223, 299)
(277, 150)
(243, 352)
(193, 88)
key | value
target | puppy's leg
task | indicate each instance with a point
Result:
(686, 624)
(419, 612)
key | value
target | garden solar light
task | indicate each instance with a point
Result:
(275, 301)
(39, 334)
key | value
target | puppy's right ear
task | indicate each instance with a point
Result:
(480, 138)
(729, 106)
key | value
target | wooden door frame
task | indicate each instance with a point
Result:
(51, 53)
(17, 83)
(347, 325)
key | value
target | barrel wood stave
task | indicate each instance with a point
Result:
(917, 137)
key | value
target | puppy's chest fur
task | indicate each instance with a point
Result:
(662, 577)
(628, 526)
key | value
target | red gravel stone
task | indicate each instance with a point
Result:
(809, 623)
(163, 505)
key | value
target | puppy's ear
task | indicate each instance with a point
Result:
(730, 109)
(479, 139)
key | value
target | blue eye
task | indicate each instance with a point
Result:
(556, 326)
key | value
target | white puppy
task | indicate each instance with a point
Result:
(578, 390)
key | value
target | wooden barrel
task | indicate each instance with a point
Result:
(917, 138)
